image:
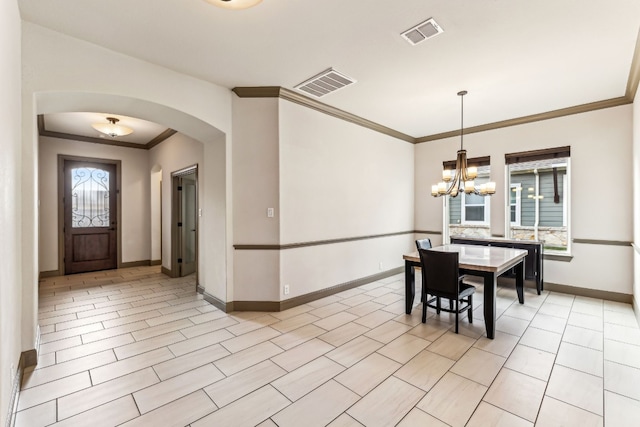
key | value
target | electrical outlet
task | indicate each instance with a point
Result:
(286, 289)
(270, 212)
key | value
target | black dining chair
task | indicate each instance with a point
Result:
(423, 243)
(441, 278)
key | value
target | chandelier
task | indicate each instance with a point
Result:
(455, 182)
(113, 129)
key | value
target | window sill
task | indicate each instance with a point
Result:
(558, 257)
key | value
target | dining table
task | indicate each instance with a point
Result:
(487, 262)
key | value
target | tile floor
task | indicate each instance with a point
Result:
(132, 347)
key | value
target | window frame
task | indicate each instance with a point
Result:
(486, 213)
(518, 221)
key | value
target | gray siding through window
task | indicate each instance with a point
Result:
(550, 212)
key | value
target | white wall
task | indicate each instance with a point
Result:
(66, 74)
(174, 154)
(327, 179)
(134, 197)
(10, 181)
(636, 205)
(601, 149)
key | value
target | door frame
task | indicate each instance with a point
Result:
(175, 232)
(61, 246)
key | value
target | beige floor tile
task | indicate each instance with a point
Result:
(622, 379)
(584, 337)
(511, 325)
(502, 344)
(178, 315)
(623, 353)
(45, 360)
(580, 358)
(329, 310)
(531, 361)
(37, 416)
(199, 342)
(207, 327)
(298, 336)
(92, 348)
(53, 389)
(489, 415)
(365, 375)
(343, 420)
(617, 306)
(432, 330)
(110, 414)
(364, 309)
(292, 312)
(621, 411)
(576, 388)
(317, 408)
(387, 404)
(114, 331)
(627, 318)
(84, 321)
(542, 340)
(60, 345)
(324, 301)
(556, 310)
(622, 333)
(425, 370)
(521, 311)
(343, 334)
(377, 292)
(586, 321)
(127, 366)
(375, 318)
(162, 329)
(304, 353)
(301, 381)
(388, 331)
(479, 366)
(516, 393)
(350, 292)
(560, 298)
(176, 387)
(295, 322)
(139, 347)
(61, 370)
(453, 399)
(397, 307)
(389, 299)
(84, 400)
(243, 359)
(554, 413)
(249, 339)
(180, 412)
(357, 300)
(404, 348)
(336, 320)
(251, 410)
(253, 324)
(417, 417)
(186, 306)
(413, 319)
(267, 423)
(588, 308)
(244, 382)
(549, 323)
(350, 353)
(189, 361)
(451, 345)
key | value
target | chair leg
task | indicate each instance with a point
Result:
(438, 305)
(424, 310)
(456, 315)
(450, 305)
(470, 310)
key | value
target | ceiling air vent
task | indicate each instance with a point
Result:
(422, 32)
(325, 83)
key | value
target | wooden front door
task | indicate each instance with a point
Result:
(90, 216)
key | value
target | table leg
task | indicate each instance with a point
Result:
(490, 285)
(519, 270)
(409, 285)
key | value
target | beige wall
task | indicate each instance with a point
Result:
(636, 205)
(134, 197)
(601, 146)
(174, 154)
(326, 179)
(10, 182)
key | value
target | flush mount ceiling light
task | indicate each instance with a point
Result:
(461, 180)
(234, 4)
(113, 129)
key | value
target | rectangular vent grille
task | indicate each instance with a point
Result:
(423, 31)
(325, 83)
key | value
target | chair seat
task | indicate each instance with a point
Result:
(466, 290)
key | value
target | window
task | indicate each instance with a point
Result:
(539, 197)
(469, 214)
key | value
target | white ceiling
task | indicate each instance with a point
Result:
(515, 57)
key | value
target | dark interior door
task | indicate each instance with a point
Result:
(90, 216)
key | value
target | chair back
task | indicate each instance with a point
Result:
(423, 244)
(440, 273)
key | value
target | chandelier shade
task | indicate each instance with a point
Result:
(113, 129)
(462, 178)
(234, 4)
